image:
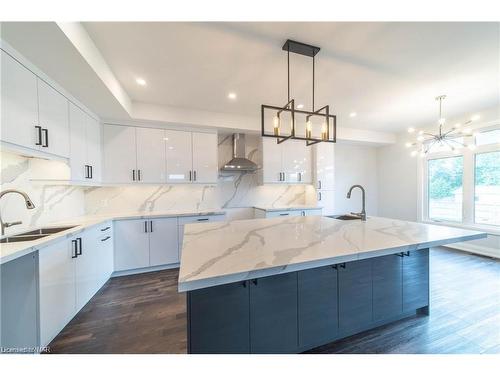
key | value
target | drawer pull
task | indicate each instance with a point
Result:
(204, 219)
(284, 214)
(105, 239)
(105, 229)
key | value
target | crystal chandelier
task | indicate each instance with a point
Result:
(451, 139)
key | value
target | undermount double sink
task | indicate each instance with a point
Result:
(33, 235)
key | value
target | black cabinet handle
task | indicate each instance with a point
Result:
(133, 174)
(105, 239)
(204, 219)
(194, 175)
(91, 168)
(254, 281)
(407, 254)
(105, 229)
(400, 255)
(342, 265)
(284, 214)
(319, 196)
(335, 267)
(151, 226)
(319, 184)
(145, 227)
(190, 177)
(39, 130)
(74, 253)
(139, 175)
(300, 176)
(46, 131)
(244, 284)
(86, 171)
(80, 250)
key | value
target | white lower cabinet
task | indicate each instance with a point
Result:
(144, 243)
(163, 241)
(57, 269)
(71, 271)
(131, 244)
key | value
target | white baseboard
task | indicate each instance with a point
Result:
(476, 249)
(144, 270)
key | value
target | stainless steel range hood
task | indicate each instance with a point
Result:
(239, 162)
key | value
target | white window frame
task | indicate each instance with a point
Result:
(468, 184)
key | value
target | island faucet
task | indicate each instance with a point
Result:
(29, 206)
(361, 214)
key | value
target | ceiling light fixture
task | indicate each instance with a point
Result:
(449, 139)
(231, 95)
(284, 117)
(300, 106)
(353, 114)
(140, 81)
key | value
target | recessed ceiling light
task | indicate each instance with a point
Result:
(411, 130)
(140, 81)
(353, 114)
(475, 117)
(231, 95)
(300, 106)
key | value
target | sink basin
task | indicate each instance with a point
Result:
(44, 231)
(345, 217)
(20, 238)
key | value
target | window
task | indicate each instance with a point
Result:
(445, 181)
(463, 185)
(488, 137)
(487, 188)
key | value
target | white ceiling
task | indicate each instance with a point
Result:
(389, 73)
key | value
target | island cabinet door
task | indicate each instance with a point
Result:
(219, 319)
(273, 314)
(318, 308)
(415, 279)
(387, 286)
(355, 296)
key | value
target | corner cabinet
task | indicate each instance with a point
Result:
(288, 162)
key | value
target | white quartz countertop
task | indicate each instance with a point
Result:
(288, 208)
(224, 252)
(14, 250)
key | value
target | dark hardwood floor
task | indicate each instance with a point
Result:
(145, 314)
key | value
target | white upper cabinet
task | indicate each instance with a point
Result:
(151, 158)
(94, 146)
(78, 143)
(34, 115)
(179, 156)
(297, 162)
(85, 146)
(53, 118)
(324, 171)
(19, 104)
(119, 149)
(204, 157)
(288, 162)
(272, 161)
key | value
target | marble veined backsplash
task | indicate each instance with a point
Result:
(234, 192)
(52, 202)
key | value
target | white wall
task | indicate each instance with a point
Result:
(397, 183)
(355, 164)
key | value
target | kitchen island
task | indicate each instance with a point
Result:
(285, 285)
